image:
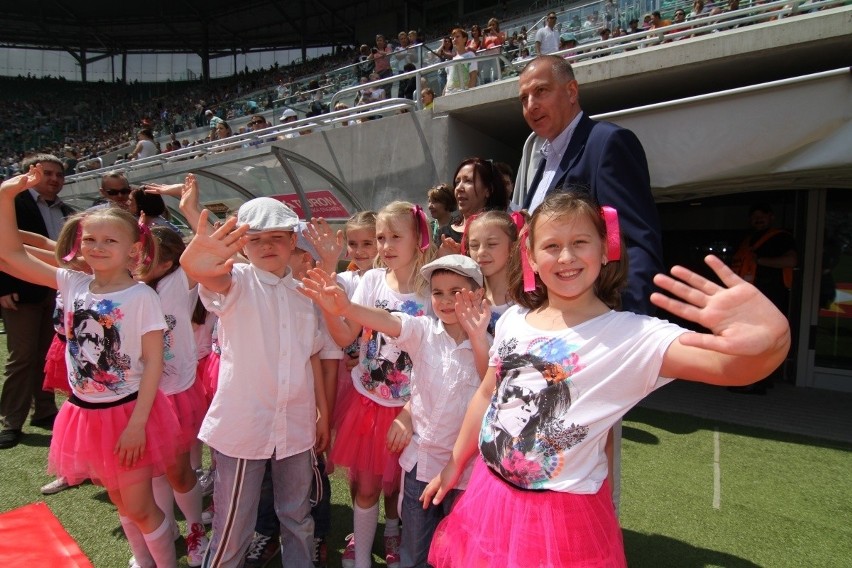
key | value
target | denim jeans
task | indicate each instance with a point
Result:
(418, 525)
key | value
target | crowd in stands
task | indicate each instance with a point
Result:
(81, 121)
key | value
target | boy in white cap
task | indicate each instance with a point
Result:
(270, 402)
(449, 357)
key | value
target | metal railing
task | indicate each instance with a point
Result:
(257, 138)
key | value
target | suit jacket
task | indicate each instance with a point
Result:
(29, 219)
(609, 162)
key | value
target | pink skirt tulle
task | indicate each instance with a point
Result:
(189, 407)
(83, 444)
(207, 373)
(494, 524)
(55, 371)
(360, 445)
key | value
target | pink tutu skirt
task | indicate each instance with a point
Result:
(361, 445)
(494, 524)
(189, 407)
(207, 374)
(55, 371)
(83, 443)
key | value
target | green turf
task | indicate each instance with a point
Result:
(785, 500)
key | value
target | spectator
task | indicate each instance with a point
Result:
(145, 146)
(213, 121)
(288, 116)
(547, 38)
(69, 161)
(381, 60)
(444, 53)
(698, 10)
(492, 45)
(766, 258)
(153, 206)
(478, 187)
(657, 21)
(427, 97)
(115, 190)
(463, 75)
(474, 44)
(365, 65)
(633, 26)
(407, 87)
(442, 204)
(567, 41)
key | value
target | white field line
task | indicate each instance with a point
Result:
(717, 472)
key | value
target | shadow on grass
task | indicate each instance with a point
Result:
(677, 423)
(36, 439)
(638, 436)
(657, 551)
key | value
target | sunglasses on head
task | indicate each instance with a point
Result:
(253, 122)
(114, 192)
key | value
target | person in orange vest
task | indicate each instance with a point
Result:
(766, 258)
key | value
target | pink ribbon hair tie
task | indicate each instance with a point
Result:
(145, 235)
(420, 218)
(526, 267)
(613, 233)
(75, 247)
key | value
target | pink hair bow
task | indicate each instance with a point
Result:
(144, 236)
(613, 234)
(75, 248)
(420, 218)
(526, 267)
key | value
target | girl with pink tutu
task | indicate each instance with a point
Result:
(178, 296)
(116, 427)
(565, 366)
(381, 379)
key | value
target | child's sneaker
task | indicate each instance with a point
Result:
(206, 481)
(392, 551)
(261, 550)
(348, 558)
(196, 545)
(320, 553)
(207, 514)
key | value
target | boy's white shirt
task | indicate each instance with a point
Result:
(443, 381)
(265, 400)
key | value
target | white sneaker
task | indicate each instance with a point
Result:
(206, 481)
(196, 545)
(55, 486)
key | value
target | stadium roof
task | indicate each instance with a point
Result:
(184, 25)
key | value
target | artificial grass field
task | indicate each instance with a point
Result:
(782, 501)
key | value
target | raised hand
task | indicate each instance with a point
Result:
(321, 287)
(448, 246)
(210, 254)
(189, 194)
(474, 313)
(743, 321)
(19, 183)
(328, 244)
(174, 190)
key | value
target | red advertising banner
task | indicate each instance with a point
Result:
(323, 204)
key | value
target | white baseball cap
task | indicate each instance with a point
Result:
(263, 214)
(458, 263)
(287, 114)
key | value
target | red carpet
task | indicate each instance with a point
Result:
(33, 536)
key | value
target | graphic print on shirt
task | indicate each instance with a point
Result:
(168, 343)
(387, 367)
(527, 429)
(94, 342)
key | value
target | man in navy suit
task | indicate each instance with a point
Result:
(602, 158)
(28, 310)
